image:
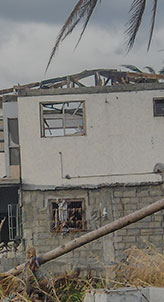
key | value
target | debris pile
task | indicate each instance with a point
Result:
(141, 268)
(38, 288)
(32, 285)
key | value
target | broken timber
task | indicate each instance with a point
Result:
(93, 235)
(101, 77)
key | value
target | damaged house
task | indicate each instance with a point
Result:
(74, 157)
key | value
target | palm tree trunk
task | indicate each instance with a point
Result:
(93, 235)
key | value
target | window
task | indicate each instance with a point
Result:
(14, 221)
(68, 214)
(62, 119)
(1, 135)
(158, 106)
(13, 141)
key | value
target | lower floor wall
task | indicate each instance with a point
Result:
(88, 209)
(150, 294)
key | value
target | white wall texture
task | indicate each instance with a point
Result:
(2, 157)
(123, 142)
(2, 165)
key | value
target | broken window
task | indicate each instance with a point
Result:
(13, 141)
(62, 119)
(158, 107)
(14, 221)
(68, 214)
(1, 135)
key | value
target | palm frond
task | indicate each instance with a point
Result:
(132, 67)
(154, 11)
(151, 70)
(82, 10)
(137, 10)
(161, 71)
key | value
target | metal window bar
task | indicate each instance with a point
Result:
(73, 118)
(1, 135)
(14, 221)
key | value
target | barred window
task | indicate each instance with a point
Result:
(62, 119)
(158, 106)
(68, 213)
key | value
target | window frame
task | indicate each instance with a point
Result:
(60, 225)
(63, 119)
(12, 146)
(2, 143)
(155, 100)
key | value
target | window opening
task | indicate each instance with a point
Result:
(14, 221)
(13, 141)
(63, 119)
(158, 107)
(68, 213)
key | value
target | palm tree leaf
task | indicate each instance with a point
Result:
(83, 9)
(90, 11)
(154, 10)
(137, 10)
(161, 71)
(133, 68)
(151, 70)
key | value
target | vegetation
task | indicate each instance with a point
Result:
(83, 11)
(68, 287)
(140, 268)
(138, 70)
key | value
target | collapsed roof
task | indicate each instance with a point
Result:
(94, 77)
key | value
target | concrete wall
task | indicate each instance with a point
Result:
(2, 156)
(123, 142)
(98, 255)
(2, 165)
(10, 111)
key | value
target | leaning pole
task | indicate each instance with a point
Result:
(96, 234)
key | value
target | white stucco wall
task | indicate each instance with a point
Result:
(2, 156)
(123, 138)
(2, 165)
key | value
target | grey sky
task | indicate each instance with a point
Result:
(28, 29)
(50, 11)
(54, 11)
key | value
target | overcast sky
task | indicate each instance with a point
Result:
(28, 30)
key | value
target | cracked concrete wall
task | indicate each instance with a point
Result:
(123, 141)
(2, 154)
(117, 200)
(97, 256)
(36, 225)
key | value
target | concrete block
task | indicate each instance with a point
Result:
(157, 217)
(118, 239)
(115, 200)
(130, 239)
(150, 294)
(119, 246)
(134, 200)
(143, 193)
(133, 232)
(155, 239)
(121, 232)
(131, 207)
(27, 233)
(129, 193)
(157, 193)
(118, 193)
